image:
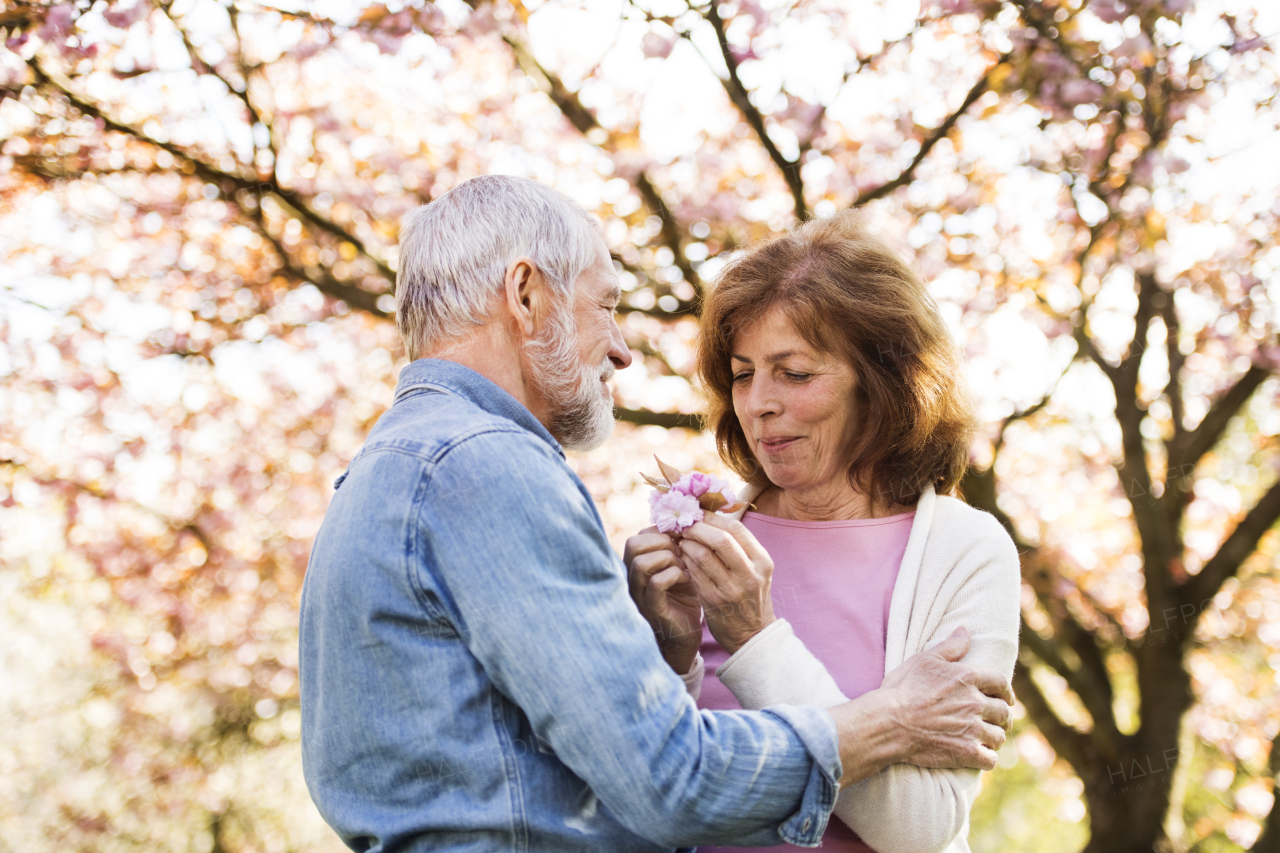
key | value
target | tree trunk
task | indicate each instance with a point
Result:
(1129, 801)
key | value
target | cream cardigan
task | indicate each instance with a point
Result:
(960, 568)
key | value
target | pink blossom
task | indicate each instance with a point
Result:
(1142, 171)
(1247, 45)
(1137, 47)
(1268, 355)
(57, 22)
(674, 512)
(657, 46)
(725, 489)
(482, 22)
(799, 110)
(1110, 11)
(760, 17)
(308, 49)
(1054, 65)
(1079, 91)
(695, 484)
(119, 16)
(388, 42)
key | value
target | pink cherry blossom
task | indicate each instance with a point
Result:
(57, 23)
(118, 15)
(674, 512)
(657, 46)
(1079, 91)
(1110, 11)
(695, 483)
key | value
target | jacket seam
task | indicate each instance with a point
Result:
(519, 820)
(412, 559)
(436, 455)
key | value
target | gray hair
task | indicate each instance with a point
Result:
(454, 253)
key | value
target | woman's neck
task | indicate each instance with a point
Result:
(829, 502)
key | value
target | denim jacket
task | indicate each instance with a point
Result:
(475, 677)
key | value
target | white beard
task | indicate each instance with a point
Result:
(580, 402)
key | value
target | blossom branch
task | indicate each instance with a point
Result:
(742, 100)
(1189, 446)
(356, 297)
(1231, 554)
(228, 182)
(585, 121)
(932, 139)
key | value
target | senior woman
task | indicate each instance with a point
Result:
(835, 392)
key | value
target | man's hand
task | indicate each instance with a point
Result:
(931, 712)
(953, 715)
(665, 596)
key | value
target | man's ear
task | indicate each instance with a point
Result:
(528, 296)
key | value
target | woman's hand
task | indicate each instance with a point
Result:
(661, 590)
(733, 575)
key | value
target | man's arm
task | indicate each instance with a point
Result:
(510, 549)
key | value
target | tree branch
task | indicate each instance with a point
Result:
(1023, 414)
(1234, 550)
(201, 67)
(581, 118)
(742, 100)
(1094, 693)
(932, 139)
(1169, 313)
(684, 308)
(671, 236)
(979, 490)
(1189, 446)
(1087, 674)
(1158, 532)
(229, 182)
(1066, 741)
(669, 420)
(354, 296)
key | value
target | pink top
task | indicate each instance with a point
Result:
(832, 580)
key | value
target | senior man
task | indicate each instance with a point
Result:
(474, 675)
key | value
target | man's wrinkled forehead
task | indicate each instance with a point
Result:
(600, 280)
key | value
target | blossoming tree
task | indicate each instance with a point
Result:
(200, 202)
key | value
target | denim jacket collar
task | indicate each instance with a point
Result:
(450, 377)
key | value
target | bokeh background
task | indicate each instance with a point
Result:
(198, 215)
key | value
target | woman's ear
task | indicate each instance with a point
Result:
(528, 297)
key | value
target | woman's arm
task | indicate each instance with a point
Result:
(904, 808)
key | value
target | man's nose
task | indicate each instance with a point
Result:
(619, 352)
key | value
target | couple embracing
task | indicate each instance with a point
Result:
(479, 672)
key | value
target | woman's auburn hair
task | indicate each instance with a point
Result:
(850, 294)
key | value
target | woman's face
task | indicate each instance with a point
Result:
(795, 403)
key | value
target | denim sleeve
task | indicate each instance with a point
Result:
(511, 544)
